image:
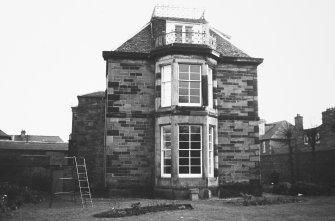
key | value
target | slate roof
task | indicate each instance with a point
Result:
(38, 138)
(143, 42)
(272, 133)
(14, 145)
(3, 134)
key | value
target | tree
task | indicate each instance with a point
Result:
(312, 137)
(287, 134)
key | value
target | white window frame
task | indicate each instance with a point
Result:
(189, 88)
(190, 175)
(163, 174)
(210, 87)
(211, 151)
(166, 85)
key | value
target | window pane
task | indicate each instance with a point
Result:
(184, 145)
(167, 145)
(195, 153)
(195, 68)
(167, 129)
(183, 91)
(194, 99)
(184, 170)
(167, 161)
(183, 161)
(195, 84)
(167, 170)
(195, 137)
(167, 154)
(183, 129)
(184, 153)
(183, 68)
(184, 76)
(166, 73)
(183, 137)
(195, 76)
(195, 129)
(167, 137)
(195, 169)
(195, 145)
(183, 84)
(195, 92)
(195, 161)
(183, 99)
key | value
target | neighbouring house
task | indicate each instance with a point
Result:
(180, 111)
(313, 151)
(27, 159)
(273, 141)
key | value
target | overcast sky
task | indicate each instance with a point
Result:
(51, 51)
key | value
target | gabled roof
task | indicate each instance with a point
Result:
(274, 130)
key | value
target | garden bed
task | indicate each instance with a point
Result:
(136, 210)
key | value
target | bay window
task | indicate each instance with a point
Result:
(190, 146)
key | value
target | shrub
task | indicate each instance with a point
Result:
(18, 195)
(253, 187)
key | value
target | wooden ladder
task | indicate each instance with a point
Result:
(84, 185)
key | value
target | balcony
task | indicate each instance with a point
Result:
(186, 38)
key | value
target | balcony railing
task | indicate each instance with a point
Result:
(186, 38)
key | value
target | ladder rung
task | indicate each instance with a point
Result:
(82, 180)
(86, 194)
(81, 165)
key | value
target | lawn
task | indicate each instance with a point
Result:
(314, 208)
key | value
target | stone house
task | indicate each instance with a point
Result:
(180, 111)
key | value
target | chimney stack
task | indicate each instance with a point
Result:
(298, 122)
(23, 134)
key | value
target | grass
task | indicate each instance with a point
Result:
(314, 208)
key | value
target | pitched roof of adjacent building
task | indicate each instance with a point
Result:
(94, 94)
(3, 134)
(274, 129)
(38, 138)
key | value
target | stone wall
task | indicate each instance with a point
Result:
(238, 146)
(87, 138)
(303, 167)
(130, 125)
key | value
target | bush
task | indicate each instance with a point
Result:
(253, 187)
(14, 196)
